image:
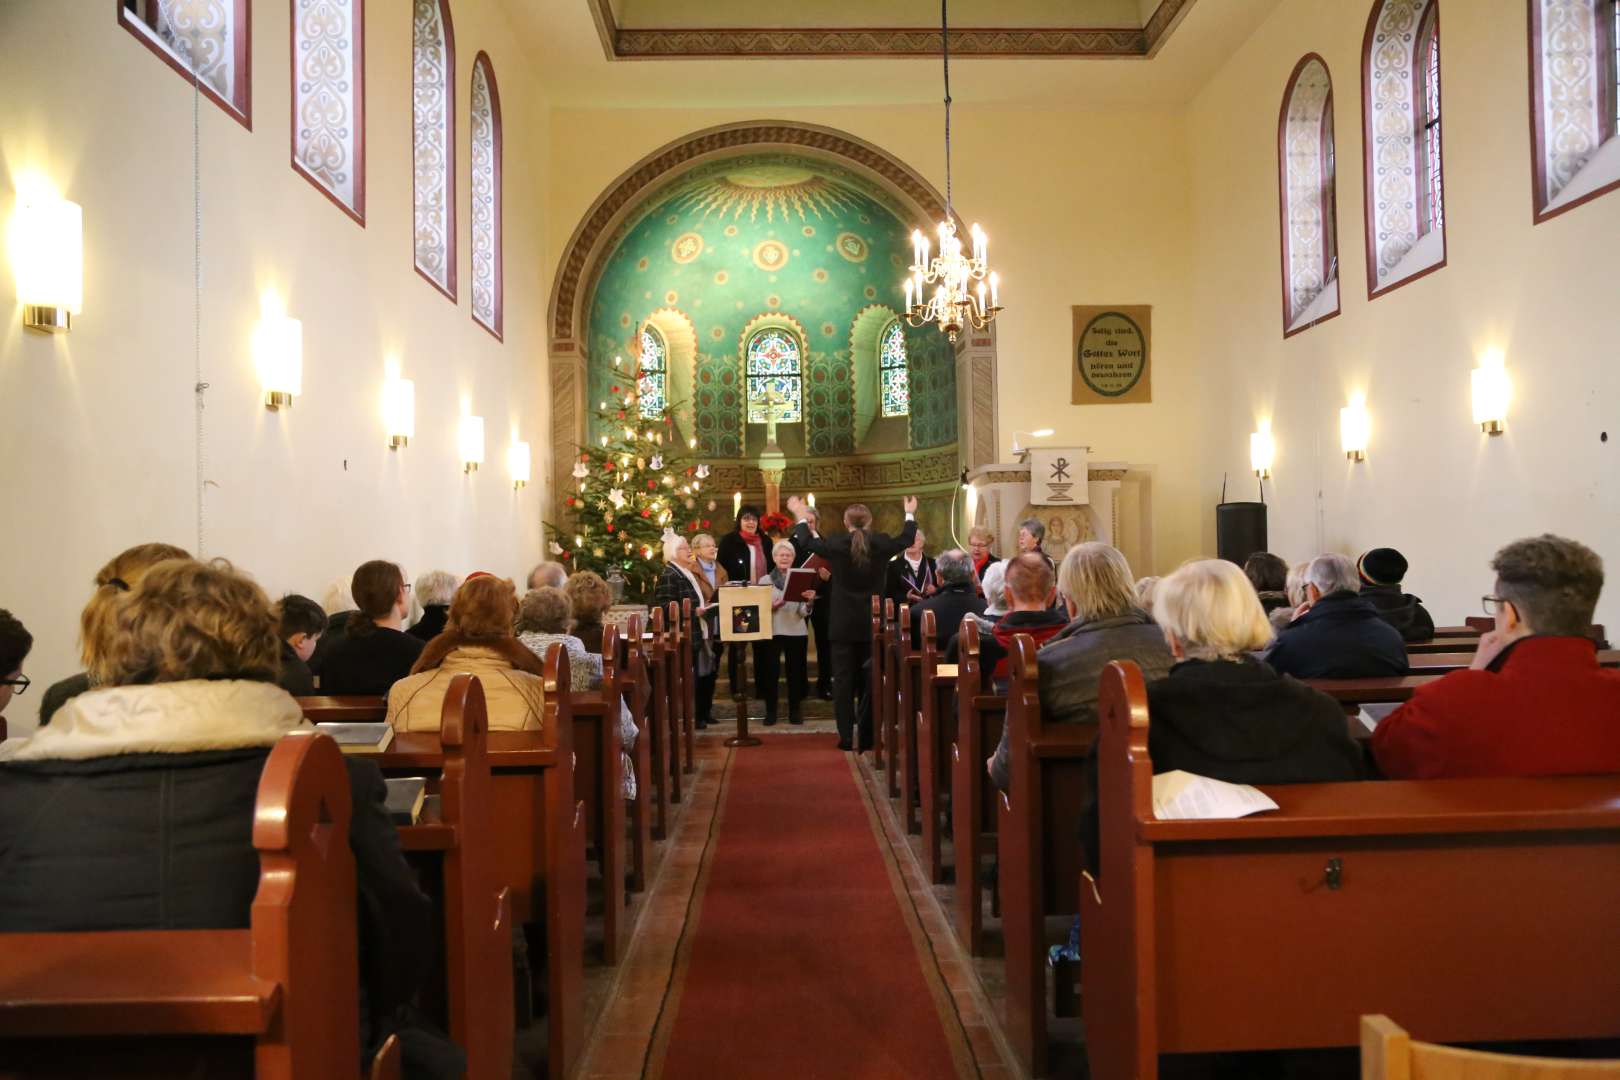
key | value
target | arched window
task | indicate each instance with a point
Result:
(894, 378)
(433, 100)
(651, 388)
(487, 301)
(218, 46)
(1575, 101)
(329, 100)
(1307, 192)
(1400, 109)
(774, 370)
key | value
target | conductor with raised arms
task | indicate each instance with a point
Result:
(859, 559)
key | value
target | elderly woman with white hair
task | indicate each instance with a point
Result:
(679, 582)
(1222, 713)
(1106, 624)
(434, 591)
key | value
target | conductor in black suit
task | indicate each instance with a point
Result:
(859, 560)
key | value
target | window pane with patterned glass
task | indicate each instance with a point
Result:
(773, 368)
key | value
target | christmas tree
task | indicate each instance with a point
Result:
(631, 484)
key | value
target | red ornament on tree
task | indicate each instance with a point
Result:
(646, 513)
(651, 485)
(610, 528)
(705, 523)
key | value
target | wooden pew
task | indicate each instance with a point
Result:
(688, 687)
(278, 1000)
(666, 710)
(907, 667)
(1280, 930)
(1386, 689)
(980, 715)
(597, 773)
(636, 690)
(877, 693)
(473, 880)
(889, 699)
(1039, 851)
(936, 731)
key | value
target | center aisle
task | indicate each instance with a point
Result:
(799, 959)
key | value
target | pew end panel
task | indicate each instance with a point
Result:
(648, 787)
(975, 804)
(936, 731)
(906, 661)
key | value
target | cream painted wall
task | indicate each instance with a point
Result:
(1433, 485)
(98, 429)
(1081, 207)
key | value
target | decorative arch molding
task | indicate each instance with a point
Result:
(680, 362)
(865, 338)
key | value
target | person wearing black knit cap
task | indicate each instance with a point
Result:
(1382, 570)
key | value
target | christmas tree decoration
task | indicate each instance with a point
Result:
(621, 502)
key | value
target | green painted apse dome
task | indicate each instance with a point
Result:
(737, 248)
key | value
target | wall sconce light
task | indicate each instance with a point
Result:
(1262, 450)
(47, 251)
(1038, 433)
(471, 440)
(1354, 425)
(278, 352)
(517, 463)
(399, 411)
(1491, 393)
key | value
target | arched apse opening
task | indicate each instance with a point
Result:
(770, 218)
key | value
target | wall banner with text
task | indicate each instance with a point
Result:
(1112, 355)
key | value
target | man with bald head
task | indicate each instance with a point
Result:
(548, 574)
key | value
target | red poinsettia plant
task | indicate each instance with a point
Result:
(776, 524)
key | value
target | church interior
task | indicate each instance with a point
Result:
(533, 301)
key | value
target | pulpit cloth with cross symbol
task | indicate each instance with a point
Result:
(1057, 477)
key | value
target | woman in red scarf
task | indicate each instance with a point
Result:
(744, 551)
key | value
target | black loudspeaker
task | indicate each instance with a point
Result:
(1240, 530)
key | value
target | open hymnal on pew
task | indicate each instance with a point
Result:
(406, 794)
(1184, 796)
(359, 738)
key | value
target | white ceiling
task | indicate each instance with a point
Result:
(563, 42)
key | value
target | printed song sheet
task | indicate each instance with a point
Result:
(1185, 796)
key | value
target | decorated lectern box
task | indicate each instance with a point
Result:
(745, 612)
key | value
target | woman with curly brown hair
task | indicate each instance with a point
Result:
(478, 639)
(151, 778)
(590, 599)
(118, 577)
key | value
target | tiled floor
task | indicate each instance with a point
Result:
(633, 995)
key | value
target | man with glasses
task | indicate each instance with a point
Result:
(1535, 702)
(15, 643)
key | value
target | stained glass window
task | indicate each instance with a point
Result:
(1428, 57)
(896, 381)
(651, 386)
(773, 368)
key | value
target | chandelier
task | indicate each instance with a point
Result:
(959, 277)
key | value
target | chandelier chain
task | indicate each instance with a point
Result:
(945, 51)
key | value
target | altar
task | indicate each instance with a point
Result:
(1118, 511)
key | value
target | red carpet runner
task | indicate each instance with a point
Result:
(802, 962)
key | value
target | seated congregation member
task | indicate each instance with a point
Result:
(857, 559)
(151, 779)
(1269, 576)
(15, 645)
(589, 598)
(1105, 624)
(553, 574)
(789, 646)
(1031, 588)
(1294, 589)
(1382, 570)
(994, 587)
(375, 652)
(338, 603)
(1031, 534)
(1144, 592)
(956, 599)
(301, 622)
(434, 591)
(1535, 702)
(543, 618)
(1222, 713)
(742, 551)
(912, 576)
(119, 576)
(683, 579)
(1338, 635)
(477, 639)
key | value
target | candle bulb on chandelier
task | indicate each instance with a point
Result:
(908, 294)
(995, 285)
(978, 241)
(981, 298)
